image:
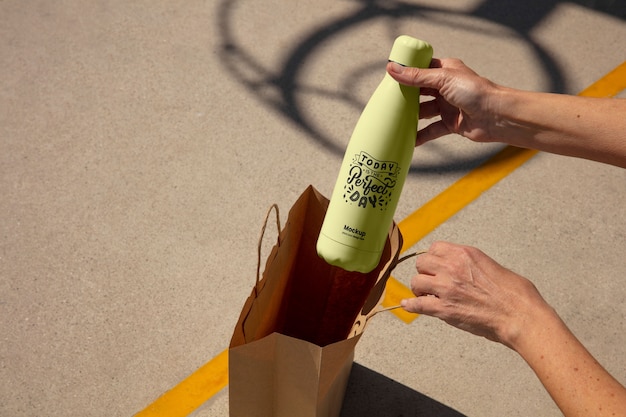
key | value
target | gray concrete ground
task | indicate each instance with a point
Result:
(142, 142)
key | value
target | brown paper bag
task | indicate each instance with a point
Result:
(293, 346)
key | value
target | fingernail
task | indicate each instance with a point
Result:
(396, 68)
(403, 303)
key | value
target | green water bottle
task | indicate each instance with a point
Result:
(375, 165)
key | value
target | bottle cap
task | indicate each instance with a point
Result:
(411, 52)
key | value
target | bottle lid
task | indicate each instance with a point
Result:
(411, 52)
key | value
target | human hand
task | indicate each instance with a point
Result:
(463, 99)
(469, 290)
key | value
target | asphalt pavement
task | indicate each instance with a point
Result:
(141, 144)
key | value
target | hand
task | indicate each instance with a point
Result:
(462, 99)
(469, 290)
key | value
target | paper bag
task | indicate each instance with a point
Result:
(293, 346)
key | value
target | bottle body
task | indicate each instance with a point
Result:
(374, 168)
(373, 171)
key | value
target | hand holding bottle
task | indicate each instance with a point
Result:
(461, 99)
(483, 111)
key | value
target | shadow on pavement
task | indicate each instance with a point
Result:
(279, 89)
(372, 394)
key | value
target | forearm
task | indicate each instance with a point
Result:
(579, 385)
(590, 128)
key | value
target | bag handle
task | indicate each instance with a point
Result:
(258, 264)
(402, 259)
(362, 320)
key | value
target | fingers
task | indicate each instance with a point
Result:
(429, 109)
(424, 285)
(433, 77)
(428, 284)
(430, 263)
(432, 131)
(443, 249)
(429, 80)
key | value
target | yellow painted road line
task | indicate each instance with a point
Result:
(212, 377)
(610, 85)
(445, 205)
(193, 391)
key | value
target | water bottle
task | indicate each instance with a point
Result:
(375, 165)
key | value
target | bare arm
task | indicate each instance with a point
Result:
(467, 289)
(577, 383)
(585, 127)
(472, 106)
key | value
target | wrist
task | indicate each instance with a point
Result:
(508, 108)
(532, 326)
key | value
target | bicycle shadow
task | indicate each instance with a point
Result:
(281, 89)
(372, 394)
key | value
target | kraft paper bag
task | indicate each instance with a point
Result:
(292, 349)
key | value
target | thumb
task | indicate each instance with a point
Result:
(415, 77)
(420, 305)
